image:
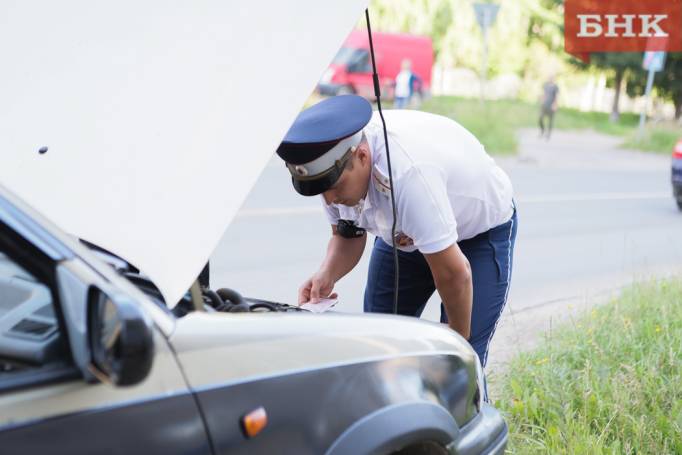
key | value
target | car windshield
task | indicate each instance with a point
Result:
(348, 56)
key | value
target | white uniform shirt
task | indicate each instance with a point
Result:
(447, 188)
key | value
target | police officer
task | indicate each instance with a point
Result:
(456, 220)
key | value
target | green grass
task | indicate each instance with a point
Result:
(610, 383)
(573, 119)
(495, 123)
(660, 139)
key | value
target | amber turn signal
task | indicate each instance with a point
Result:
(254, 422)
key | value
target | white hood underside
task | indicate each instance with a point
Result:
(155, 113)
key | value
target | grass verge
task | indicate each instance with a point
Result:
(610, 383)
(660, 139)
(495, 123)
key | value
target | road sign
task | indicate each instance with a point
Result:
(654, 61)
(486, 14)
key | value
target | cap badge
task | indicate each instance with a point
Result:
(301, 171)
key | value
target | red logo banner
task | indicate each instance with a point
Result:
(622, 26)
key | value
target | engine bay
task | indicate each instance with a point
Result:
(222, 300)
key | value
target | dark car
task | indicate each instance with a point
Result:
(676, 173)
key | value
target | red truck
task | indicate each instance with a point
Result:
(351, 69)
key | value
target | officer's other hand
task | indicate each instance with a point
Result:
(319, 286)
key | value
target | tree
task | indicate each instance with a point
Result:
(442, 20)
(426, 17)
(670, 82)
(546, 23)
(621, 63)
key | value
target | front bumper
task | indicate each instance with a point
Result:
(676, 178)
(486, 433)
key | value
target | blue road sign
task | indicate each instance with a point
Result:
(654, 61)
(486, 14)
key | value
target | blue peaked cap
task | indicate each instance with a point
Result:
(317, 129)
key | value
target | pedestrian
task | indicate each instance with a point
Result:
(456, 221)
(406, 83)
(548, 106)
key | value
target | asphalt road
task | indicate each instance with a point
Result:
(592, 218)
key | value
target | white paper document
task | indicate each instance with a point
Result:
(321, 306)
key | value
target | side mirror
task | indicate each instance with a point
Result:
(121, 340)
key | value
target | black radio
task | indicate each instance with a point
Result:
(348, 230)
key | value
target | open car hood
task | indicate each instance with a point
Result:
(158, 116)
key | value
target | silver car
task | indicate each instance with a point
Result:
(91, 364)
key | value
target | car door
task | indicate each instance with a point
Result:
(46, 404)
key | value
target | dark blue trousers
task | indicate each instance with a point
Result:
(490, 255)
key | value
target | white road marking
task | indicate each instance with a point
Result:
(570, 197)
(250, 213)
(588, 197)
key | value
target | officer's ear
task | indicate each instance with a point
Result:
(362, 153)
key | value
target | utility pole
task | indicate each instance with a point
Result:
(653, 62)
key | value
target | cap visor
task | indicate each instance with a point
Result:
(317, 186)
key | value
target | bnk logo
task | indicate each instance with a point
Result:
(622, 26)
(592, 25)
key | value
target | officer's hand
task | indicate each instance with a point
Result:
(319, 286)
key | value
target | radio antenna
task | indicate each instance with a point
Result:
(377, 94)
